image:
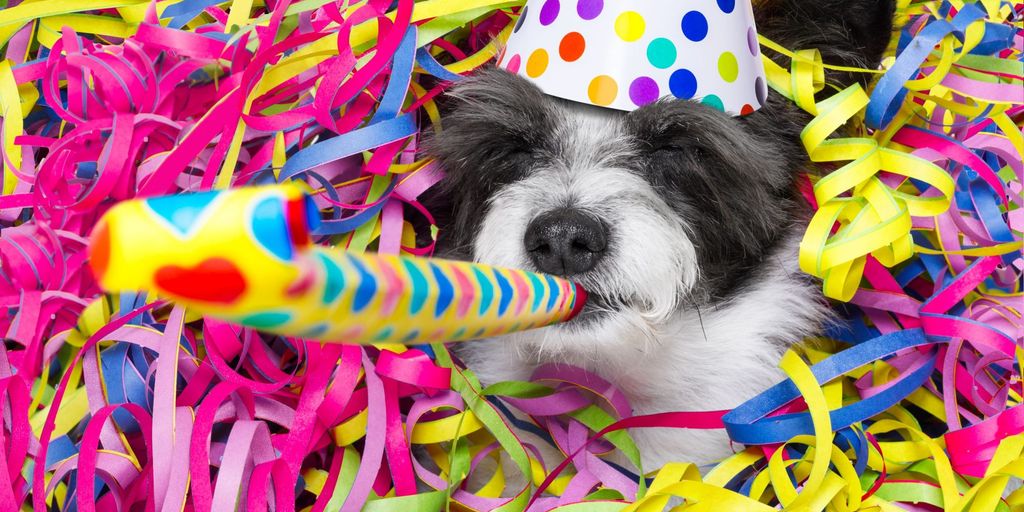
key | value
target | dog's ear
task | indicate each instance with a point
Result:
(847, 32)
(491, 103)
(852, 33)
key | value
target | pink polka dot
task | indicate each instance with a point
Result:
(513, 64)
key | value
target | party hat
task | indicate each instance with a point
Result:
(624, 54)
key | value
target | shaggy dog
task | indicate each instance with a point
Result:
(681, 221)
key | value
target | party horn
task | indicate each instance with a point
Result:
(246, 256)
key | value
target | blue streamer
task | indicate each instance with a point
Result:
(348, 144)
(183, 12)
(748, 423)
(398, 84)
(889, 92)
(432, 66)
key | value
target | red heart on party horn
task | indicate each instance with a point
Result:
(212, 280)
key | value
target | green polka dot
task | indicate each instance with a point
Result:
(384, 334)
(713, 101)
(661, 53)
(728, 67)
(266, 319)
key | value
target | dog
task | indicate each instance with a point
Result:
(682, 223)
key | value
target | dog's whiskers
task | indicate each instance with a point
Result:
(700, 319)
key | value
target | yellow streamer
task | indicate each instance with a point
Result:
(13, 124)
(857, 213)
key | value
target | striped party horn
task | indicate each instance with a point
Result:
(246, 256)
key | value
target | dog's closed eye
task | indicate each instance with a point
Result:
(669, 148)
(521, 149)
(676, 151)
(517, 155)
(506, 148)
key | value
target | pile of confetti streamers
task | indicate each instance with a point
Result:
(126, 402)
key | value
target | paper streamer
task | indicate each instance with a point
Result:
(913, 402)
(245, 256)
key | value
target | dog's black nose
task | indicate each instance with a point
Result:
(565, 242)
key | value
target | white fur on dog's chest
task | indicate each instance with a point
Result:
(711, 361)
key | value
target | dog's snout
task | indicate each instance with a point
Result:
(565, 242)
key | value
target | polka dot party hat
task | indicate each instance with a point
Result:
(623, 54)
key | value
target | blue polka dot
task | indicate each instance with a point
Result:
(419, 287)
(270, 228)
(683, 84)
(312, 213)
(552, 292)
(183, 212)
(695, 26)
(445, 291)
(486, 290)
(413, 334)
(335, 279)
(726, 5)
(367, 287)
(538, 291)
(506, 292)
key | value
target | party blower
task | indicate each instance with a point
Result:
(246, 256)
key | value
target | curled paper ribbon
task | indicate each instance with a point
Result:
(867, 205)
(124, 402)
(246, 256)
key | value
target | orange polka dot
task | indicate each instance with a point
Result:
(99, 250)
(537, 63)
(747, 109)
(603, 90)
(572, 46)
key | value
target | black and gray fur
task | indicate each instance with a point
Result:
(700, 211)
